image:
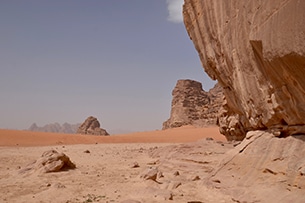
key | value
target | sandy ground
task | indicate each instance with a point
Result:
(104, 167)
(178, 135)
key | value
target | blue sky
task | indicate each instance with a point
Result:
(64, 60)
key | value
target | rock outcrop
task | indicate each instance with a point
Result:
(256, 51)
(91, 126)
(50, 161)
(191, 105)
(55, 128)
(263, 168)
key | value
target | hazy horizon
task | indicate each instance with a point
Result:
(62, 61)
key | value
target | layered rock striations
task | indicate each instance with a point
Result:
(256, 51)
(263, 168)
(191, 105)
(91, 126)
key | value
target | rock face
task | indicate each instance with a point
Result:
(261, 168)
(55, 128)
(274, 169)
(256, 51)
(191, 105)
(91, 126)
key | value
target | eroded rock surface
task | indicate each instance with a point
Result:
(50, 161)
(256, 51)
(185, 166)
(191, 105)
(91, 126)
(263, 168)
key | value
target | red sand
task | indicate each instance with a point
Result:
(177, 135)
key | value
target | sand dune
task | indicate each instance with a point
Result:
(178, 135)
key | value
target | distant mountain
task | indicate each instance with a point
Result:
(55, 128)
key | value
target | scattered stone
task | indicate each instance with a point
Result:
(160, 175)
(207, 153)
(176, 173)
(302, 170)
(170, 197)
(267, 170)
(209, 139)
(152, 163)
(135, 165)
(87, 151)
(216, 181)
(150, 174)
(195, 178)
(93, 198)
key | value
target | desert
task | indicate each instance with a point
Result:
(186, 164)
(242, 141)
(110, 168)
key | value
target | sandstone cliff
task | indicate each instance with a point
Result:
(91, 126)
(256, 51)
(191, 105)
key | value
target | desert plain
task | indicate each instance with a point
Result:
(156, 166)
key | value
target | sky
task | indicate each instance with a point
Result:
(64, 60)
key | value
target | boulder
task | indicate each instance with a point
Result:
(256, 51)
(91, 126)
(191, 105)
(50, 161)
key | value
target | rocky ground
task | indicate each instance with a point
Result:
(262, 168)
(114, 173)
